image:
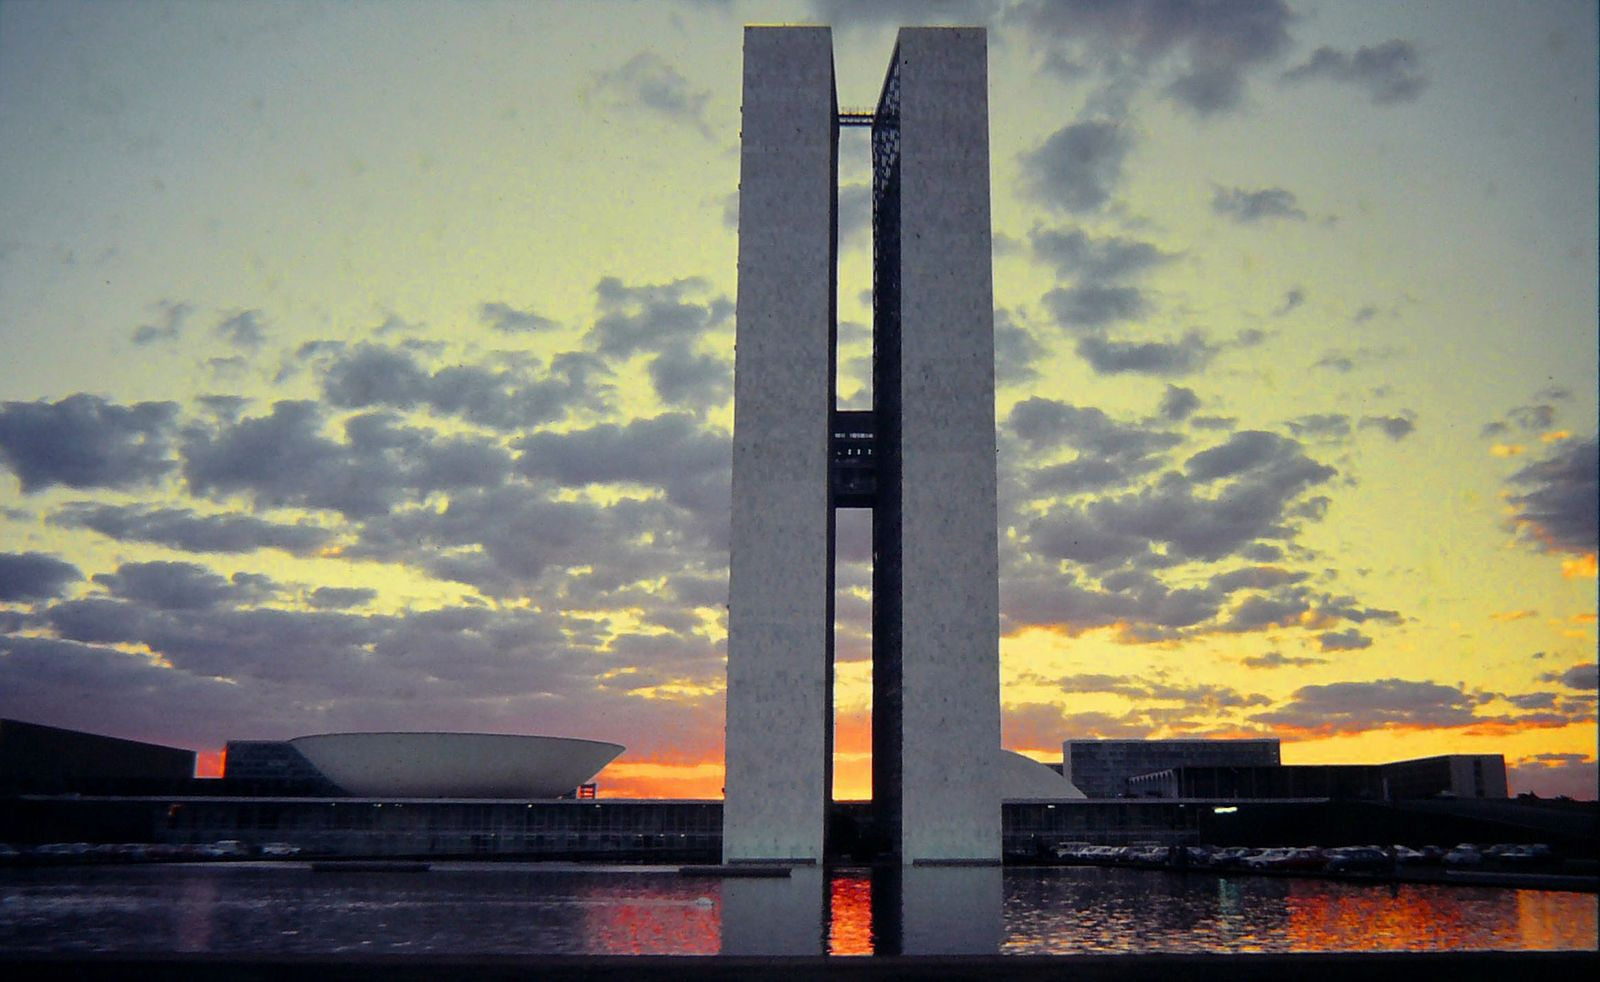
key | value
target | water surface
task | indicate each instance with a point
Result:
(550, 908)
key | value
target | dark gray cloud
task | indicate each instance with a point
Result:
(1352, 707)
(1045, 423)
(243, 330)
(1093, 305)
(1273, 659)
(1584, 677)
(340, 598)
(1184, 356)
(1015, 351)
(669, 451)
(190, 531)
(1205, 49)
(1554, 500)
(1294, 298)
(648, 82)
(1077, 168)
(695, 381)
(1248, 207)
(83, 441)
(182, 586)
(283, 460)
(509, 320)
(1328, 426)
(168, 327)
(1533, 419)
(852, 14)
(648, 318)
(512, 396)
(1346, 640)
(1177, 402)
(1394, 427)
(1073, 253)
(34, 576)
(1259, 478)
(1389, 72)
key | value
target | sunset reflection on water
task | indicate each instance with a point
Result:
(612, 910)
(850, 913)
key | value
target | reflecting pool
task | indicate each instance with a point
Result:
(552, 908)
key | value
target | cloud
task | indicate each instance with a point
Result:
(1093, 305)
(243, 330)
(651, 317)
(855, 215)
(1047, 423)
(1355, 707)
(83, 441)
(1331, 426)
(647, 82)
(34, 576)
(694, 381)
(1177, 402)
(1347, 640)
(1553, 775)
(169, 327)
(1073, 253)
(1015, 351)
(181, 586)
(1077, 167)
(514, 396)
(283, 460)
(1584, 677)
(1390, 72)
(1396, 428)
(1206, 49)
(189, 531)
(1273, 659)
(1554, 504)
(1294, 298)
(1533, 420)
(1184, 356)
(852, 14)
(668, 451)
(1257, 478)
(509, 320)
(1249, 207)
(340, 598)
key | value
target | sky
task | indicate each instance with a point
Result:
(369, 367)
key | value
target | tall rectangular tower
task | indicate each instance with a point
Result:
(923, 459)
(936, 603)
(780, 588)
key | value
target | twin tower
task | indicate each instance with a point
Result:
(923, 459)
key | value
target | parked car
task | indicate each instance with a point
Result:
(1358, 859)
(1465, 854)
(278, 849)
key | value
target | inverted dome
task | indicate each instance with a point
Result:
(455, 765)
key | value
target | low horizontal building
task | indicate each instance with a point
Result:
(1103, 768)
(1452, 775)
(39, 759)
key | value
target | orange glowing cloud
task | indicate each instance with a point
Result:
(1584, 567)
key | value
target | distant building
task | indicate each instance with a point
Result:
(38, 759)
(1453, 776)
(1458, 775)
(1103, 768)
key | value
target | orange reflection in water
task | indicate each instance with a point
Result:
(850, 914)
(681, 920)
(1432, 918)
(1550, 921)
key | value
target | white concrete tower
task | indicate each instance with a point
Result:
(780, 589)
(936, 617)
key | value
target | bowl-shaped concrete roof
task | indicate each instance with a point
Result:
(455, 765)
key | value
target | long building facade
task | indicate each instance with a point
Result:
(923, 459)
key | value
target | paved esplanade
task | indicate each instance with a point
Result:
(923, 459)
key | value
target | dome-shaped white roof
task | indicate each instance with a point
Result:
(455, 765)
